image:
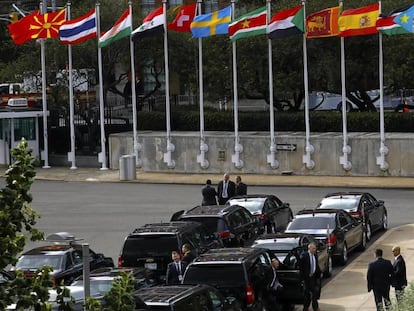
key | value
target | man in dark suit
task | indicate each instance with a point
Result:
(209, 194)
(241, 187)
(311, 276)
(188, 254)
(379, 280)
(225, 189)
(399, 279)
(175, 269)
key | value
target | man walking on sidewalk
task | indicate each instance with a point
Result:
(379, 280)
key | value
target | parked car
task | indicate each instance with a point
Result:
(241, 274)
(283, 245)
(64, 254)
(340, 231)
(272, 214)
(233, 223)
(183, 297)
(101, 280)
(150, 246)
(361, 205)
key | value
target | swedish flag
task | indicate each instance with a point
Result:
(215, 23)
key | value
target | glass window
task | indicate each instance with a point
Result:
(24, 127)
(231, 274)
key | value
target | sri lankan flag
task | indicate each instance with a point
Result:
(323, 23)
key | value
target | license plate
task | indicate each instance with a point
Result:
(151, 266)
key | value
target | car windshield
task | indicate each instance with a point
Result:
(101, 285)
(39, 261)
(212, 224)
(301, 223)
(215, 275)
(345, 203)
(151, 245)
(252, 205)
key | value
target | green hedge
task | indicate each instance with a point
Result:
(320, 121)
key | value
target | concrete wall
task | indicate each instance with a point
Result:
(328, 149)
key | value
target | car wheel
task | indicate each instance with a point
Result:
(384, 222)
(344, 255)
(363, 244)
(328, 269)
(368, 231)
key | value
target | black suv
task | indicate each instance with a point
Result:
(234, 224)
(243, 274)
(182, 297)
(64, 255)
(150, 246)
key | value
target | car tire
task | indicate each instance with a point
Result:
(363, 244)
(328, 269)
(384, 222)
(344, 255)
(368, 231)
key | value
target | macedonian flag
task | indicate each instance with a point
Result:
(37, 26)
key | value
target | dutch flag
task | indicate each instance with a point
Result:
(79, 29)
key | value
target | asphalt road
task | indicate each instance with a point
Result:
(104, 213)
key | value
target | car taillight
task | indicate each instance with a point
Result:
(331, 240)
(262, 217)
(120, 261)
(357, 214)
(249, 294)
(224, 234)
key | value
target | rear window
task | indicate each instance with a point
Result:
(312, 223)
(253, 206)
(345, 203)
(151, 245)
(212, 224)
(216, 275)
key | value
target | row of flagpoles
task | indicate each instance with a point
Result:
(325, 23)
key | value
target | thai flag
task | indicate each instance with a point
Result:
(79, 29)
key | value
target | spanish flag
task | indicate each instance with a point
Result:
(323, 23)
(359, 22)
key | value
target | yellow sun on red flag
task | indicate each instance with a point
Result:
(47, 25)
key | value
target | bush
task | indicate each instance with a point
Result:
(407, 302)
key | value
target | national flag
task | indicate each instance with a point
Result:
(185, 16)
(46, 26)
(387, 25)
(20, 30)
(152, 24)
(323, 23)
(359, 22)
(405, 19)
(286, 23)
(121, 29)
(250, 24)
(79, 29)
(214, 23)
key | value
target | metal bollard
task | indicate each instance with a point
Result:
(127, 167)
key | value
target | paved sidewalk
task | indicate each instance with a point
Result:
(98, 175)
(347, 291)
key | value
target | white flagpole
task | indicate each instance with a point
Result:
(238, 148)
(71, 154)
(170, 147)
(343, 160)
(307, 160)
(137, 146)
(201, 158)
(271, 158)
(45, 153)
(102, 154)
(383, 148)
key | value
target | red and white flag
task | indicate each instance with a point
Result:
(183, 19)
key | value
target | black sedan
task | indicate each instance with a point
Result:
(272, 213)
(361, 205)
(340, 231)
(282, 245)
